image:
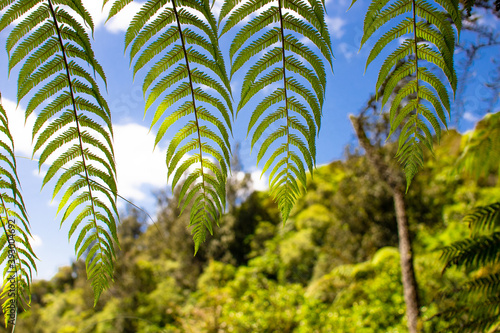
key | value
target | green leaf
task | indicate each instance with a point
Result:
(176, 80)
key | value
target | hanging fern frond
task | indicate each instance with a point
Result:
(290, 117)
(421, 105)
(483, 247)
(483, 219)
(16, 253)
(182, 60)
(479, 298)
(73, 127)
(473, 252)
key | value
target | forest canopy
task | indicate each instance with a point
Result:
(402, 233)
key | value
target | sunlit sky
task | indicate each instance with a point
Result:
(142, 171)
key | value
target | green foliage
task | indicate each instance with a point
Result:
(417, 90)
(482, 148)
(72, 131)
(64, 311)
(181, 49)
(177, 66)
(16, 252)
(262, 303)
(290, 116)
(365, 297)
(479, 298)
(333, 267)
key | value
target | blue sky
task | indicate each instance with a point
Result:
(141, 171)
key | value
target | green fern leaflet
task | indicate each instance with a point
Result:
(16, 252)
(289, 117)
(73, 126)
(421, 103)
(479, 298)
(183, 60)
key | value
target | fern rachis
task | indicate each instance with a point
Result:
(427, 26)
(187, 58)
(53, 45)
(277, 64)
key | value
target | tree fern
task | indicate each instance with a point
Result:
(16, 252)
(479, 298)
(73, 126)
(290, 116)
(421, 105)
(181, 60)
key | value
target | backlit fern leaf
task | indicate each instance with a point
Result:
(183, 61)
(421, 101)
(16, 254)
(73, 127)
(288, 118)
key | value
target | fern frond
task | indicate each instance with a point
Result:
(478, 298)
(430, 38)
(182, 61)
(289, 117)
(269, 38)
(16, 253)
(77, 136)
(474, 252)
(472, 314)
(486, 285)
(483, 218)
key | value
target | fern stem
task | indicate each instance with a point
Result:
(282, 28)
(192, 96)
(416, 56)
(75, 112)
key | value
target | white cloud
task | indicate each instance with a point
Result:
(95, 10)
(272, 87)
(99, 15)
(136, 162)
(36, 241)
(206, 88)
(216, 7)
(486, 18)
(259, 181)
(470, 117)
(335, 25)
(121, 21)
(53, 203)
(40, 174)
(348, 51)
(21, 133)
(116, 24)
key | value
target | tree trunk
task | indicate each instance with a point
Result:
(395, 181)
(407, 271)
